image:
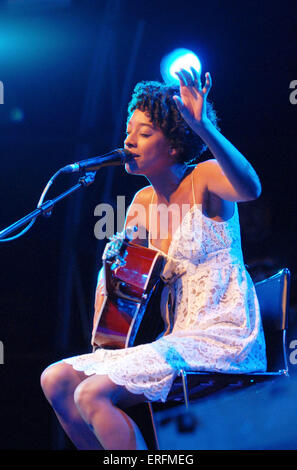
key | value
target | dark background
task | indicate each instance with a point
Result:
(68, 69)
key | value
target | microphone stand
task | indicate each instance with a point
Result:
(47, 207)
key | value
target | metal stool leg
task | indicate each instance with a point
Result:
(153, 424)
(185, 387)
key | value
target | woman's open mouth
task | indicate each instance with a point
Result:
(131, 155)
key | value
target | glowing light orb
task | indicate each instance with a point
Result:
(176, 60)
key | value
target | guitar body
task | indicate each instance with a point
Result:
(130, 313)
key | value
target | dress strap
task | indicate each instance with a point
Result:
(150, 218)
(193, 192)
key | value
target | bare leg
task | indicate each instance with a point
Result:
(86, 409)
(96, 399)
(59, 382)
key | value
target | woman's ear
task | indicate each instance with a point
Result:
(172, 151)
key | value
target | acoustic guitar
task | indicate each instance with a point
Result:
(130, 312)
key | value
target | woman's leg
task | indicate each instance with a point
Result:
(59, 382)
(86, 408)
(100, 402)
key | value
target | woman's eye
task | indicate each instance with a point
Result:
(145, 135)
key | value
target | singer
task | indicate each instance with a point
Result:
(216, 324)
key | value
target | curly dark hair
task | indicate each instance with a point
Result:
(156, 100)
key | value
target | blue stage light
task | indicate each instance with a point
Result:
(16, 115)
(174, 61)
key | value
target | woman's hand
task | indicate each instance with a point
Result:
(192, 101)
(115, 250)
(233, 178)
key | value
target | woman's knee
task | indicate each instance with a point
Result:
(93, 394)
(58, 379)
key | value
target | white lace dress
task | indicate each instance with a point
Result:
(217, 324)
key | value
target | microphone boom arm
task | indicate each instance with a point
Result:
(88, 167)
(47, 207)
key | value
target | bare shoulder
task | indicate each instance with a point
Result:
(202, 173)
(207, 168)
(143, 196)
(210, 175)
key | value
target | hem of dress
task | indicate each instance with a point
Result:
(117, 381)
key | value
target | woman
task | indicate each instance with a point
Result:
(216, 321)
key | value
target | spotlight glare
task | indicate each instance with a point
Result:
(174, 61)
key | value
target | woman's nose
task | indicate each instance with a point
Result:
(129, 141)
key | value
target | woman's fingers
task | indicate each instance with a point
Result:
(192, 99)
(185, 78)
(194, 80)
(179, 103)
(197, 78)
(208, 83)
(189, 78)
(182, 79)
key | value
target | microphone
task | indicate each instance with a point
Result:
(115, 158)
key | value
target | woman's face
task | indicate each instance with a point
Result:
(148, 143)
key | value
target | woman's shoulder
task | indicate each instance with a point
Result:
(206, 167)
(205, 172)
(143, 195)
